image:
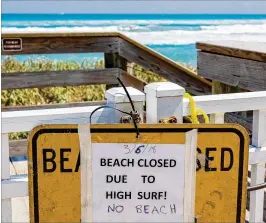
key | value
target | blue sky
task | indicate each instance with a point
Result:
(63, 6)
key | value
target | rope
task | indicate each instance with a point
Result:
(194, 112)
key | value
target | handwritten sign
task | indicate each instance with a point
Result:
(138, 180)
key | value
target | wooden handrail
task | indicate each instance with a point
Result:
(131, 50)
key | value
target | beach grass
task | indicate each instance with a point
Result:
(54, 95)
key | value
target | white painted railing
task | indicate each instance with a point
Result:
(162, 100)
(19, 121)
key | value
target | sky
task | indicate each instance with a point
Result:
(138, 6)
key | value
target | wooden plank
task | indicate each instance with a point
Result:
(246, 74)
(76, 44)
(242, 49)
(18, 147)
(50, 106)
(221, 88)
(132, 81)
(172, 72)
(59, 78)
(112, 60)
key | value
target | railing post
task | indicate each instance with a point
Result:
(217, 118)
(116, 97)
(258, 170)
(6, 215)
(164, 99)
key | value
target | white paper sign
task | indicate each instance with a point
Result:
(138, 183)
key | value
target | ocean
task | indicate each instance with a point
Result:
(171, 35)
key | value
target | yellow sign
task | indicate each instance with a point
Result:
(221, 178)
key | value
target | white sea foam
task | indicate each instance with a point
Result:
(128, 22)
(151, 35)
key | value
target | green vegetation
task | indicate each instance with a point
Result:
(54, 95)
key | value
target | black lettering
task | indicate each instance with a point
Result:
(63, 160)
(152, 163)
(155, 196)
(131, 162)
(209, 158)
(116, 178)
(109, 179)
(47, 160)
(109, 195)
(160, 164)
(116, 163)
(117, 195)
(172, 163)
(151, 195)
(103, 162)
(198, 161)
(140, 165)
(223, 168)
(150, 179)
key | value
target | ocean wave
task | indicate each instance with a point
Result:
(47, 23)
(244, 28)
(243, 32)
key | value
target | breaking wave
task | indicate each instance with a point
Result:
(156, 33)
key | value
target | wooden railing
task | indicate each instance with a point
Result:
(119, 51)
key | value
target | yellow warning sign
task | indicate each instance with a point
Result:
(142, 176)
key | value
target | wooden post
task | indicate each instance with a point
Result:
(113, 60)
(221, 88)
(117, 98)
(217, 118)
(164, 99)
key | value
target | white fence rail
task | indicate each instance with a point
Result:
(162, 100)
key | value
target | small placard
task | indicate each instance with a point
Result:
(12, 44)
